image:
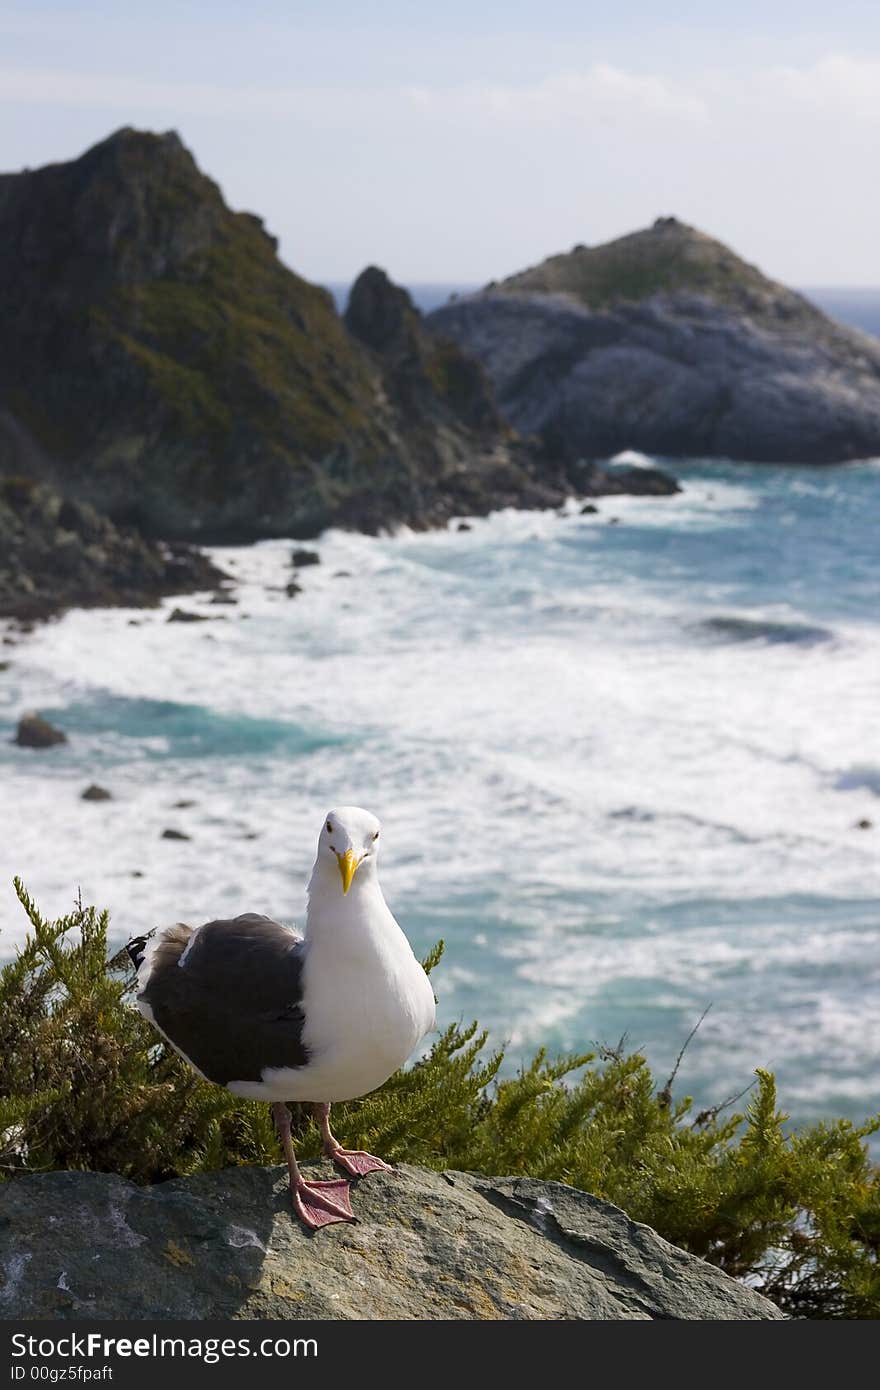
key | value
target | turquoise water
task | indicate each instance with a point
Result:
(621, 767)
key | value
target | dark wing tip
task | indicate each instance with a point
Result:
(136, 949)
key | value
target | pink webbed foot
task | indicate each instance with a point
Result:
(358, 1163)
(321, 1203)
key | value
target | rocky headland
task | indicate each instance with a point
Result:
(160, 363)
(56, 553)
(667, 342)
(426, 1245)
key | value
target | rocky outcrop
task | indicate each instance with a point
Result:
(33, 731)
(666, 342)
(56, 553)
(426, 1245)
(425, 375)
(459, 454)
(158, 361)
(95, 793)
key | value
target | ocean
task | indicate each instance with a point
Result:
(622, 762)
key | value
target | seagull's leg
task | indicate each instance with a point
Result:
(315, 1203)
(354, 1161)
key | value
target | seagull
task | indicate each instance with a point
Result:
(270, 1015)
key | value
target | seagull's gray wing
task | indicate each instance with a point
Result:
(228, 995)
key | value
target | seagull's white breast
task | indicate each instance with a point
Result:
(367, 1004)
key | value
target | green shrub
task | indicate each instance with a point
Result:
(85, 1083)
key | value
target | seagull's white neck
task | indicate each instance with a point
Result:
(361, 908)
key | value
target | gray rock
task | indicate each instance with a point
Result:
(96, 793)
(667, 342)
(171, 834)
(183, 615)
(300, 558)
(426, 1246)
(56, 554)
(35, 732)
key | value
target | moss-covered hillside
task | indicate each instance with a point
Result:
(156, 353)
(668, 257)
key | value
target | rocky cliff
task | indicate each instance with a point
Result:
(426, 1245)
(668, 342)
(56, 553)
(158, 361)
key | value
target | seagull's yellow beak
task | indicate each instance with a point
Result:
(347, 866)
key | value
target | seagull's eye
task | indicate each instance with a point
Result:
(329, 828)
(376, 836)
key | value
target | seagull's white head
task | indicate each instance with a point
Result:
(349, 838)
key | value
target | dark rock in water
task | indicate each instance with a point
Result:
(175, 835)
(610, 479)
(292, 589)
(96, 793)
(342, 574)
(222, 598)
(632, 813)
(641, 482)
(183, 615)
(613, 521)
(300, 558)
(864, 824)
(666, 342)
(735, 629)
(5, 665)
(137, 873)
(224, 1245)
(35, 732)
(57, 554)
(183, 805)
(464, 526)
(589, 509)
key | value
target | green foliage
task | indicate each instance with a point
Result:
(85, 1083)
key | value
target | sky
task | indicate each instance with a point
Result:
(463, 141)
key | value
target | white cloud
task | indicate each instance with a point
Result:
(573, 96)
(835, 86)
